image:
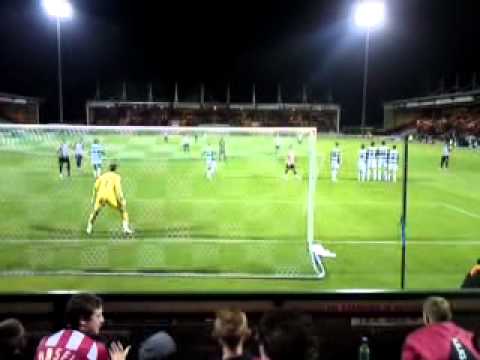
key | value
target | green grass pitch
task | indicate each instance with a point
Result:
(249, 222)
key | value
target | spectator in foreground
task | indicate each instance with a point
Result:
(84, 315)
(12, 339)
(159, 346)
(440, 338)
(231, 331)
(476, 339)
(287, 335)
(472, 279)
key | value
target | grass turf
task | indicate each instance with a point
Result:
(249, 220)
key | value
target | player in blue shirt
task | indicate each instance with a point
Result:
(210, 162)
(393, 162)
(97, 153)
(362, 164)
(372, 162)
(335, 161)
(382, 162)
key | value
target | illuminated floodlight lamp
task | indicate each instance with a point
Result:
(369, 14)
(61, 9)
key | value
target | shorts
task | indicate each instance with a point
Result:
(107, 200)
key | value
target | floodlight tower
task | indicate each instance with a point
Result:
(369, 15)
(59, 9)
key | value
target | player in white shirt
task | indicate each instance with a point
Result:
(372, 162)
(210, 162)
(382, 162)
(79, 154)
(447, 149)
(335, 161)
(362, 164)
(393, 162)
(63, 158)
(291, 160)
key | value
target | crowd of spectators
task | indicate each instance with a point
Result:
(279, 335)
(462, 122)
(324, 121)
(18, 114)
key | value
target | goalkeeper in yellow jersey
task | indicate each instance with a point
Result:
(108, 191)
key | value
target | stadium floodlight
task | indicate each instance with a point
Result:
(369, 15)
(60, 9)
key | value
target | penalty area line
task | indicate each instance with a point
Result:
(165, 274)
(460, 210)
(126, 241)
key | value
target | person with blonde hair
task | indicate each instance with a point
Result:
(440, 338)
(231, 331)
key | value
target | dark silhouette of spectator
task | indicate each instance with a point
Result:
(440, 338)
(84, 315)
(159, 346)
(472, 279)
(231, 331)
(12, 339)
(476, 339)
(284, 335)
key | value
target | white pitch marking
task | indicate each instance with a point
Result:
(460, 210)
(129, 241)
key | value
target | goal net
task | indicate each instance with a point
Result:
(203, 201)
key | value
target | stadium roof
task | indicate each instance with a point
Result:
(449, 99)
(217, 105)
(19, 99)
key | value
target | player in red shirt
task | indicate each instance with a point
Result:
(84, 318)
(440, 338)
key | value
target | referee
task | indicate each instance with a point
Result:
(63, 158)
(445, 156)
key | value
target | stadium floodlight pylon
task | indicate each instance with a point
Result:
(256, 220)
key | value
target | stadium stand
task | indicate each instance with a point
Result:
(324, 117)
(129, 109)
(450, 115)
(19, 109)
(339, 320)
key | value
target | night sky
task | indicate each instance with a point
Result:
(238, 42)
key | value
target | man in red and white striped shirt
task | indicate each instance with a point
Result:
(85, 318)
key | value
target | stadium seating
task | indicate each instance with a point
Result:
(458, 122)
(324, 121)
(340, 319)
